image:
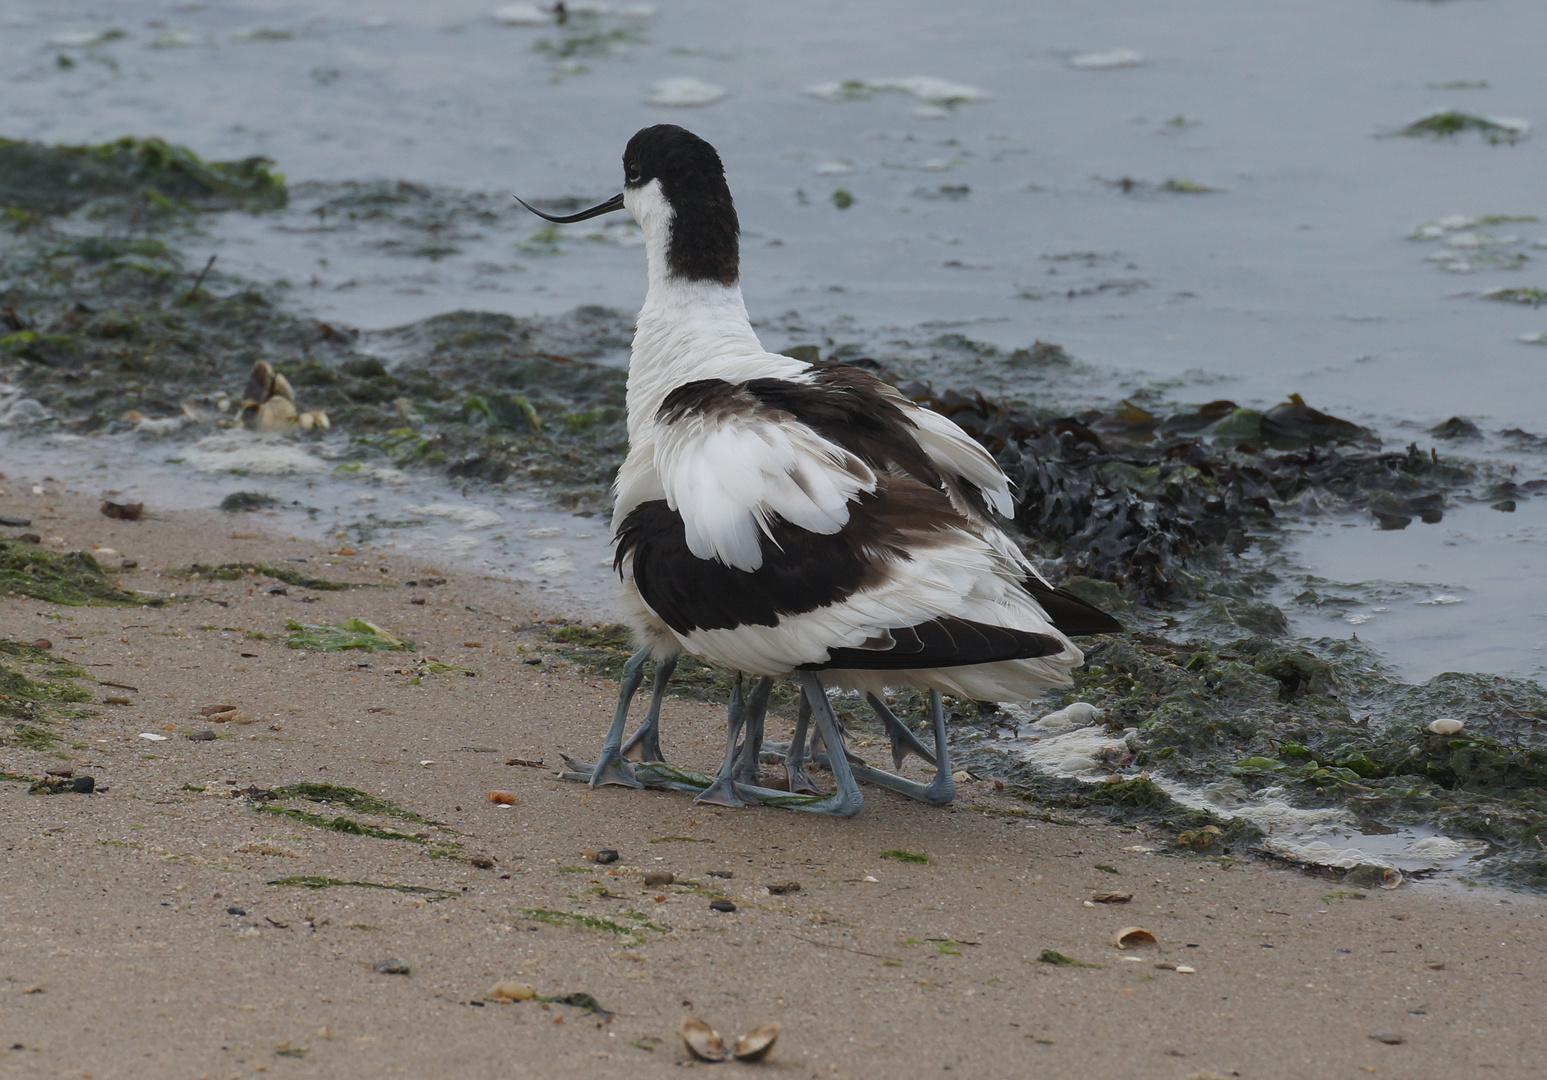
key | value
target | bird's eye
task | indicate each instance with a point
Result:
(633, 172)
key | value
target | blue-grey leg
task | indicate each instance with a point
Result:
(904, 742)
(748, 761)
(645, 744)
(940, 790)
(723, 791)
(610, 766)
(798, 780)
(847, 800)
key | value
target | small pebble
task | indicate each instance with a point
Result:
(391, 966)
(657, 878)
(720, 873)
(204, 734)
(236, 911)
(279, 590)
(83, 785)
(722, 905)
(784, 888)
(42, 643)
(1390, 1038)
(606, 855)
(483, 862)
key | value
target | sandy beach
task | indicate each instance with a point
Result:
(147, 929)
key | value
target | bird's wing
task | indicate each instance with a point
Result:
(732, 466)
(955, 453)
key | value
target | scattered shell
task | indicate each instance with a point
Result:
(703, 1041)
(755, 1044)
(1111, 897)
(152, 736)
(963, 777)
(483, 862)
(722, 905)
(657, 878)
(511, 991)
(1130, 937)
(1390, 1038)
(503, 798)
(1446, 726)
(211, 710)
(1183, 969)
(391, 966)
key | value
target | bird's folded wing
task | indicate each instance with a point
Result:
(955, 453)
(732, 473)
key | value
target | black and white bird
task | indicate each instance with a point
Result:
(778, 517)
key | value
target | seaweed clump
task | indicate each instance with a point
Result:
(75, 578)
(1159, 505)
(1453, 122)
(57, 179)
(1323, 723)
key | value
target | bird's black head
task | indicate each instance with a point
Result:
(674, 183)
(704, 230)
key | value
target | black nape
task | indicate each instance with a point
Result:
(704, 235)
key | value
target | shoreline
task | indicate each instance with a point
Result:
(120, 956)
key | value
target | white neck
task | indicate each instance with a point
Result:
(687, 330)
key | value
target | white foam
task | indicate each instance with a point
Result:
(927, 88)
(1112, 58)
(472, 517)
(243, 451)
(683, 91)
(521, 15)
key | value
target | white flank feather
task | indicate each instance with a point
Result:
(728, 475)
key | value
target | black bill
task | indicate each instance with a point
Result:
(614, 203)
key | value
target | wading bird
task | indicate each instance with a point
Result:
(782, 518)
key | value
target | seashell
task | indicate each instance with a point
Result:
(511, 991)
(755, 1044)
(1446, 726)
(503, 798)
(1130, 937)
(703, 1041)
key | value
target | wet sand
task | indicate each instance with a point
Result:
(120, 955)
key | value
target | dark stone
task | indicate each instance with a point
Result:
(83, 785)
(722, 905)
(606, 855)
(784, 888)
(236, 911)
(204, 734)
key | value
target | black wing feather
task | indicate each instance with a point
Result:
(1070, 614)
(944, 642)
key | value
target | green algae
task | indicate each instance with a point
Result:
(906, 856)
(585, 922)
(1452, 122)
(317, 882)
(1058, 959)
(74, 579)
(355, 799)
(1527, 295)
(349, 634)
(341, 824)
(234, 571)
(60, 179)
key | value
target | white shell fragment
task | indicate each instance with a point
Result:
(1132, 937)
(1446, 726)
(702, 1041)
(684, 90)
(152, 736)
